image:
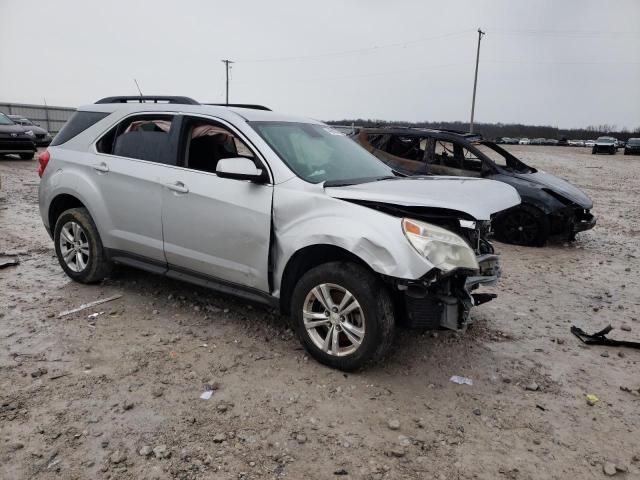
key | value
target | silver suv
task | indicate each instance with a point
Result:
(279, 210)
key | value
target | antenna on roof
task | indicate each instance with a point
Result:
(138, 87)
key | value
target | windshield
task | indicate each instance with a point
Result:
(319, 153)
(4, 120)
(605, 140)
(634, 141)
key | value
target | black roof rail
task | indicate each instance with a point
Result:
(241, 105)
(149, 99)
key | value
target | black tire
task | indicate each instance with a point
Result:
(594, 151)
(375, 306)
(523, 225)
(26, 156)
(97, 265)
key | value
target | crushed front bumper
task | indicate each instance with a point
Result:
(447, 302)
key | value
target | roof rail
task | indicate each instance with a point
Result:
(149, 99)
(241, 105)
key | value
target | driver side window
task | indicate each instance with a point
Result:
(206, 143)
(452, 159)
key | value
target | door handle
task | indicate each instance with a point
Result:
(101, 167)
(177, 187)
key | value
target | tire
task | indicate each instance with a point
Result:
(594, 151)
(372, 317)
(89, 264)
(524, 225)
(26, 156)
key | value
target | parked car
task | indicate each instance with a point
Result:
(551, 141)
(576, 143)
(538, 141)
(280, 210)
(524, 141)
(550, 206)
(40, 135)
(589, 143)
(604, 145)
(632, 147)
(620, 143)
(14, 139)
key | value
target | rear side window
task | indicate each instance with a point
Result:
(77, 124)
(144, 137)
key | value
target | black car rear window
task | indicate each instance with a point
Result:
(77, 124)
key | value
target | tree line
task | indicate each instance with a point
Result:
(498, 130)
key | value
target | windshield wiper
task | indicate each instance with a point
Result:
(358, 181)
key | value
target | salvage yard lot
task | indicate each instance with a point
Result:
(80, 397)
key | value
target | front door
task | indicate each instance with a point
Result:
(216, 227)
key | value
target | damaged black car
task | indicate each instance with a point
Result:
(550, 206)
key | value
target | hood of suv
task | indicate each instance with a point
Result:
(476, 197)
(558, 186)
(12, 129)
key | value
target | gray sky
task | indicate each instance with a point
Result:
(567, 63)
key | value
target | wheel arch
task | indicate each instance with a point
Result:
(59, 204)
(307, 258)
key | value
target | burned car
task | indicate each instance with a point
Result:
(283, 211)
(550, 206)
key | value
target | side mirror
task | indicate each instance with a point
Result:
(240, 168)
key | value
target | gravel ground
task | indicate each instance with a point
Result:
(118, 395)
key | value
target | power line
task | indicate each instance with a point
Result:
(564, 33)
(357, 50)
(370, 74)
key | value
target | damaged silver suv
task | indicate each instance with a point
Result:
(279, 210)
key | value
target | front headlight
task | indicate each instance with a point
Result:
(30, 133)
(443, 248)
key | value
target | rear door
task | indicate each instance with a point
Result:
(216, 227)
(130, 168)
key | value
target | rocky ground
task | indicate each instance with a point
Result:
(114, 391)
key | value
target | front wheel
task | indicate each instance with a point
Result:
(343, 315)
(523, 225)
(26, 156)
(79, 248)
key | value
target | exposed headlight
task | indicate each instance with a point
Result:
(443, 248)
(30, 133)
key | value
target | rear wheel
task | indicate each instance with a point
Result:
(26, 156)
(524, 225)
(343, 315)
(79, 248)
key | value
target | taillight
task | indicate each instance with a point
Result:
(43, 159)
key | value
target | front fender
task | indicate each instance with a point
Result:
(302, 219)
(532, 194)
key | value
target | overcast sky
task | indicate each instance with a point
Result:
(567, 63)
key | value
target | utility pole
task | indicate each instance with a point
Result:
(475, 81)
(226, 63)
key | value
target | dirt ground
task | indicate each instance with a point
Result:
(118, 395)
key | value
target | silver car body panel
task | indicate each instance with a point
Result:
(477, 197)
(242, 232)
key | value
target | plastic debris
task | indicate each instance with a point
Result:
(88, 305)
(94, 315)
(7, 261)
(461, 380)
(592, 399)
(206, 395)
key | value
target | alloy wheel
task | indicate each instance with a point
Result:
(521, 228)
(333, 319)
(74, 246)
